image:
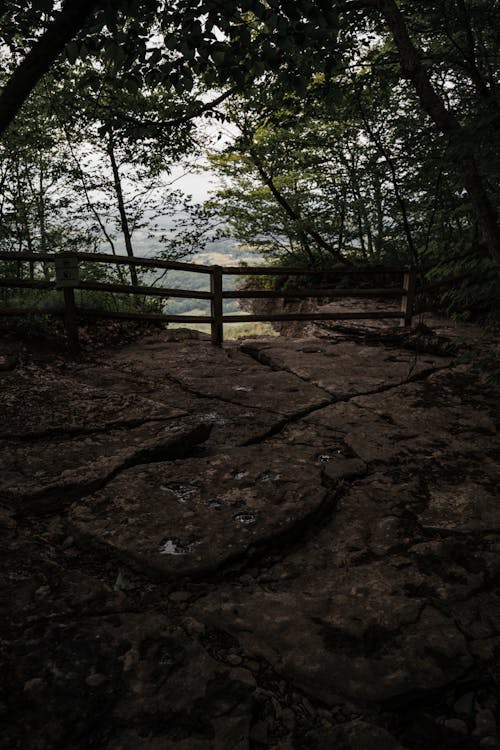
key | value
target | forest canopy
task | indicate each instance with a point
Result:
(361, 131)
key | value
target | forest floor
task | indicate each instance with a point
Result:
(286, 543)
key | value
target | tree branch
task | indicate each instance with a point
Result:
(184, 118)
(47, 48)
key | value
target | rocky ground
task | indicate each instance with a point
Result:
(285, 543)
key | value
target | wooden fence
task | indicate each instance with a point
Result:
(66, 279)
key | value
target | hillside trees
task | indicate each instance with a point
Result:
(445, 49)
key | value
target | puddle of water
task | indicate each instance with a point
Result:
(241, 474)
(214, 503)
(270, 477)
(244, 388)
(328, 455)
(174, 427)
(175, 546)
(245, 518)
(215, 418)
(181, 492)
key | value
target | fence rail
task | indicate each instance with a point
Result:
(70, 263)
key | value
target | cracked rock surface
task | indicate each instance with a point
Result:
(285, 543)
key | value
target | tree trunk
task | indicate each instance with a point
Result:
(291, 212)
(447, 124)
(121, 206)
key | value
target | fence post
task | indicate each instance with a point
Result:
(408, 298)
(70, 322)
(67, 277)
(216, 305)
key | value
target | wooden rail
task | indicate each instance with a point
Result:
(67, 279)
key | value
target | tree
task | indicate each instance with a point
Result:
(174, 44)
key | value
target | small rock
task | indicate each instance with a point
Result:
(194, 627)
(240, 674)
(464, 705)
(94, 680)
(345, 468)
(278, 711)
(234, 659)
(288, 718)
(253, 665)
(308, 707)
(489, 743)
(42, 592)
(178, 597)
(486, 725)
(456, 725)
(34, 685)
(68, 542)
(259, 732)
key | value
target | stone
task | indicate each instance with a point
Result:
(288, 718)
(240, 674)
(342, 368)
(489, 743)
(464, 705)
(486, 724)
(95, 680)
(35, 685)
(461, 507)
(330, 541)
(456, 725)
(202, 512)
(259, 732)
(179, 597)
(64, 469)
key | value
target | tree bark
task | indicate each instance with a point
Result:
(65, 26)
(448, 125)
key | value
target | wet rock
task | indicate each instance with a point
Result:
(456, 725)
(486, 725)
(170, 691)
(8, 523)
(345, 468)
(95, 680)
(64, 469)
(489, 743)
(356, 735)
(461, 507)
(342, 368)
(464, 705)
(426, 420)
(195, 536)
(55, 405)
(348, 634)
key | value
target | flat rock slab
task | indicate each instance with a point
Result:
(368, 610)
(343, 368)
(232, 424)
(189, 517)
(223, 373)
(346, 634)
(62, 469)
(425, 420)
(48, 403)
(363, 611)
(462, 507)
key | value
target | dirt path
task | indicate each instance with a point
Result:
(284, 543)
